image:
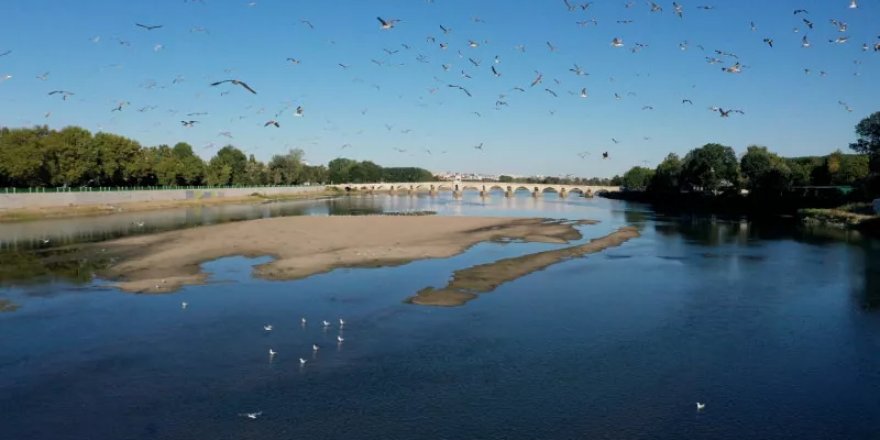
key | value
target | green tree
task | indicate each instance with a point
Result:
(190, 167)
(848, 169)
(231, 163)
(406, 174)
(338, 170)
(287, 169)
(314, 174)
(868, 142)
(365, 172)
(712, 167)
(257, 173)
(802, 169)
(121, 161)
(218, 173)
(667, 176)
(637, 178)
(765, 172)
(165, 166)
(505, 179)
(22, 156)
(70, 157)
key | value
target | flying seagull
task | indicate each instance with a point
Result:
(148, 27)
(726, 113)
(272, 122)
(387, 24)
(537, 79)
(119, 107)
(466, 92)
(64, 94)
(736, 68)
(188, 123)
(235, 82)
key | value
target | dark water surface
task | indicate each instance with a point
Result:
(776, 329)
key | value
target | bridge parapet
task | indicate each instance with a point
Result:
(457, 188)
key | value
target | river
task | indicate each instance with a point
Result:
(774, 327)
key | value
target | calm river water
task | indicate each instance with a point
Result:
(775, 328)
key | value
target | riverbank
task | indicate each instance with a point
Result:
(304, 246)
(855, 216)
(96, 209)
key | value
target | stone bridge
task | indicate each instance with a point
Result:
(484, 188)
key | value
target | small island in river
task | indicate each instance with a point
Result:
(304, 246)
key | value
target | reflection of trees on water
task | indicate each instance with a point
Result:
(705, 230)
(636, 217)
(21, 268)
(66, 232)
(871, 289)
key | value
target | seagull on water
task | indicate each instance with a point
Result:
(252, 416)
(302, 361)
(341, 323)
(272, 352)
(700, 406)
(315, 347)
(183, 305)
(267, 327)
(326, 323)
(340, 339)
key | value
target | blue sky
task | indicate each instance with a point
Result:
(93, 49)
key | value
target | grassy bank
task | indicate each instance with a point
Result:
(28, 214)
(852, 216)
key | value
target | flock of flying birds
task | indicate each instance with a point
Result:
(729, 63)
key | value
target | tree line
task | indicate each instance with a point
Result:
(715, 168)
(74, 157)
(551, 180)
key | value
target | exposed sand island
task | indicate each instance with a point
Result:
(303, 246)
(466, 284)
(7, 306)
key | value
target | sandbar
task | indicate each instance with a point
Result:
(467, 284)
(7, 306)
(304, 246)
